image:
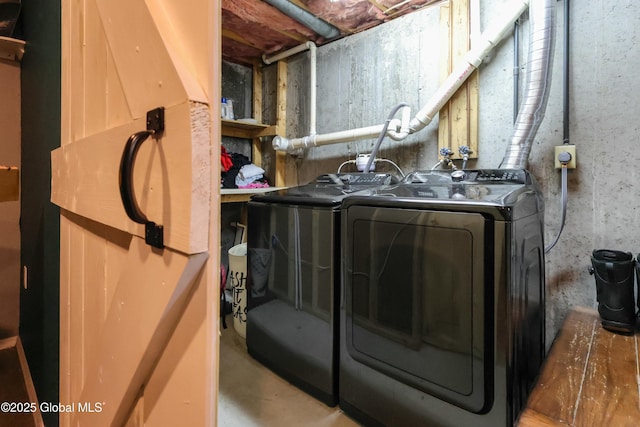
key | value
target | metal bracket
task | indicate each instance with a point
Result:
(155, 120)
(154, 234)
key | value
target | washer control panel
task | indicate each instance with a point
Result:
(356, 179)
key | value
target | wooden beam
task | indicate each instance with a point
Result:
(458, 120)
(281, 123)
(9, 184)
(256, 144)
(232, 35)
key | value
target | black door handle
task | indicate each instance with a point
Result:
(154, 233)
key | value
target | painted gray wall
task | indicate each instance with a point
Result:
(362, 77)
(40, 219)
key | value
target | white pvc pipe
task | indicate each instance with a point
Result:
(472, 60)
(283, 144)
(311, 46)
(312, 88)
(487, 41)
(285, 54)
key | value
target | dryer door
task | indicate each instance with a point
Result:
(418, 305)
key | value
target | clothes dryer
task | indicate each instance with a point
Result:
(442, 315)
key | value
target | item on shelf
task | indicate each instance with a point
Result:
(256, 184)
(225, 160)
(249, 174)
(230, 115)
(229, 177)
(226, 109)
(223, 108)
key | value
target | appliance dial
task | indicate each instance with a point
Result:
(458, 175)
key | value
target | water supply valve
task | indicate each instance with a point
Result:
(464, 150)
(446, 154)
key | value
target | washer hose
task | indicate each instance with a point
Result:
(383, 133)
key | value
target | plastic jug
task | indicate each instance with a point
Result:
(230, 114)
(224, 108)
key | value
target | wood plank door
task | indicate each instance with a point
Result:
(138, 188)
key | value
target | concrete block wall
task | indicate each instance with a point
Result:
(362, 77)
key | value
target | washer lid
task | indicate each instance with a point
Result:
(490, 186)
(327, 189)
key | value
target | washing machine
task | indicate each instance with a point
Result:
(293, 263)
(442, 305)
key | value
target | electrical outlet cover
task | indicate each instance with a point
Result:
(571, 149)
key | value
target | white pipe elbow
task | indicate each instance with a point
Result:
(397, 131)
(280, 143)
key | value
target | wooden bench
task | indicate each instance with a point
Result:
(590, 378)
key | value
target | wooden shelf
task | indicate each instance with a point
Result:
(11, 49)
(9, 184)
(248, 130)
(241, 129)
(254, 130)
(233, 195)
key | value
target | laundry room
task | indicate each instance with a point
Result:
(324, 105)
(342, 213)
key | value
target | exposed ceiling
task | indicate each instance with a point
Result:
(251, 28)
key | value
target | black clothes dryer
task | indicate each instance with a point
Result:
(293, 263)
(442, 316)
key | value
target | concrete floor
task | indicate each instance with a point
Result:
(252, 395)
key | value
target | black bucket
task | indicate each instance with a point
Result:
(9, 12)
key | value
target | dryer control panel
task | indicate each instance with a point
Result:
(511, 176)
(484, 176)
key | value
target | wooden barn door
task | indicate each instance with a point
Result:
(136, 183)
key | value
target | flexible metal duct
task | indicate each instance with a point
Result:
(542, 16)
(305, 18)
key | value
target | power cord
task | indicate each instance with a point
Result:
(564, 158)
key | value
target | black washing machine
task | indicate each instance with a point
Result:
(442, 312)
(293, 260)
